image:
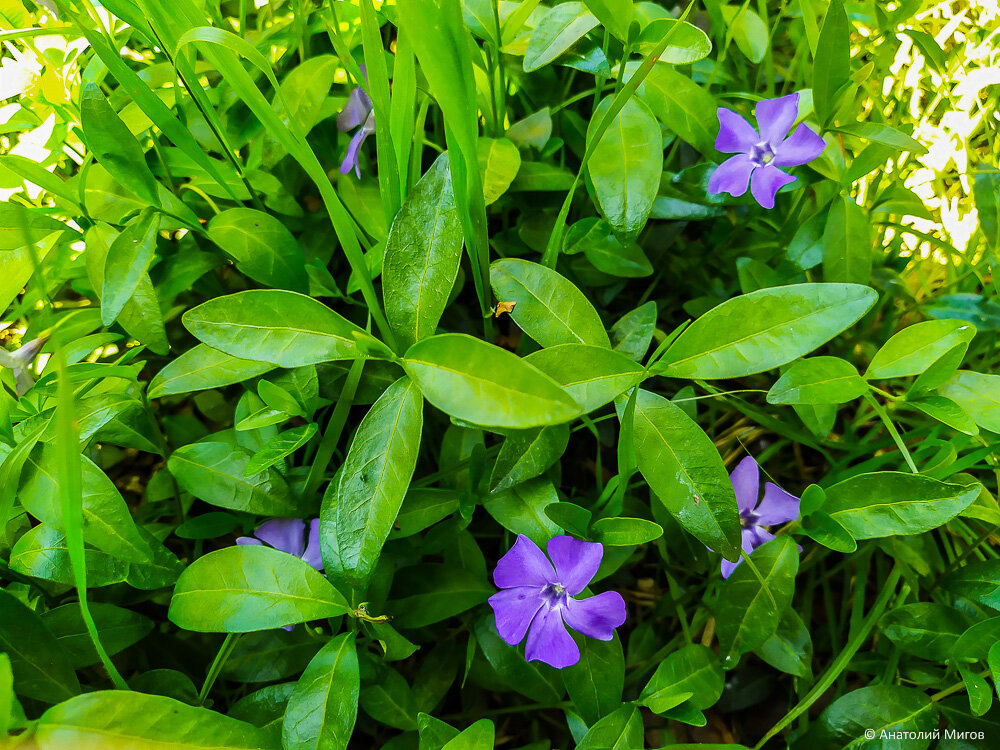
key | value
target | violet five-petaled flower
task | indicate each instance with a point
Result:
(289, 535)
(777, 506)
(759, 154)
(537, 599)
(19, 361)
(359, 110)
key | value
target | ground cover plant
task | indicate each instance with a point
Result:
(459, 374)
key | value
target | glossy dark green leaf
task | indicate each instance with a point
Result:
(765, 329)
(265, 709)
(114, 147)
(119, 628)
(127, 261)
(262, 247)
(878, 709)
(268, 655)
(688, 44)
(978, 580)
(626, 164)
(915, 348)
(525, 455)
(386, 697)
(423, 507)
(431, 592)
(324, 705)
(818, 380)
(485, 385)
(622, 532)
(216, 473)
(251, 587)
(887, 502)
(790, 649)
(571, 517)
(499, 162)
(848, 242)
(633, 332)
(691, 675)
(595, 683)
(748, 613)
(945, 411)
(978, 394)
(828, 531)
(558, 30)
(275, 326)
(532, 679)
(201, 368)
(832, 61)
(168, 682)
(685, 472)
(361, 507)
(521, 509)
(548, 307)
(621, 730)
(280, 447)
(42, 669)
(886, 135)
(422, 256)
(986, 191)
(748, 31)
(479, 736)
(115, 718)
(682, 106)
(592, 375)
(925, 629)
(41, 552)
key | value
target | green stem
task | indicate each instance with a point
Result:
(225, 651)
(896, 437)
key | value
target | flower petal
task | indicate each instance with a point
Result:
(766, 183)
(596, 617)
(736, 135)
(514, 610)
(777, 506)
(800, 147)
(248, 540)
(576, 562)
(312, 554)
(549, 641)
(746, 483)
(284, 534)
(356, 111)
(775, 118)
(354, 147)
(523, 565)
(749, 536)
(732, 176)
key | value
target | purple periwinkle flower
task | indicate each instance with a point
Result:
(537, 599)
(359, 110)
(19, 361)
(289, 535)
(777, 506)
(759, 154)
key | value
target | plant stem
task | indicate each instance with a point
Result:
(225, 651)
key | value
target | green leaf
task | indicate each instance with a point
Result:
(633, 332)
(852, 718)
(324, 705)
(107, 523)
(264, 708)
(525, 455)
(828, 531)
(479, 736)
(422, 255)
(884, 134)
(945, 411)
(126, 264)
(915, 348)
(532, 679)
(305, 91)
(925, 629)
(114, 147)
(592, 375)
(832, 61)
(499, 162)
(41, 552)
(119, 629)
(269, 655)
(621, 730)
(685, 472)
(978, 689)
(748, 613)
(790, 649)
(624, 532)
(201, 368)
(691, 675)
(682, 105)
(216, 473)
(559, 29)
(430, 592)
(848, 240)
(978, 394)
(521, 510)
(548, 307)
(986, 191)
(283, 328)
(42, 669)
(749, 31)
(571, 517)
(280, 447)
(116, 718)
(818, 380)
(595, 683)
(386, 696)
(765, 329)
(251, 587)
(616, 17)
(20, 227)
(485, 385)
(361, 508)
(626, 164)
(262, 247)
(689, 44)
(422, 508)
(887, 503)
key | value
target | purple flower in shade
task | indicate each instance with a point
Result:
(758, 155)
(289, 535)
(19, 361)
(777, 506)
(359, 110)
(537, 599)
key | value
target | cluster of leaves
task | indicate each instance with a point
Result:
(528, 316)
